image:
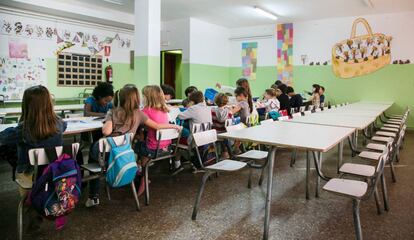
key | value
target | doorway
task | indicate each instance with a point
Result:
(171, 70)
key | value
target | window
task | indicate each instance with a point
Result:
(74, 68)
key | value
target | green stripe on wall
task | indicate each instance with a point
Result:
(147, 70)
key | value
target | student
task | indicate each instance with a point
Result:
(295, 100)
(321, 95)
(169, 92)
(283, 98)
(126, 117)
(38, 127)
(100, 101)
(186, 102)
(271, 103)
(278, 83)
(156, 109)
(243, 107)
(241, 82)
(219, 115)
(315, 97)
(198, 112)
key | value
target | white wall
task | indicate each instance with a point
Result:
(208, 43)
(316, 38)
(176, 35)
(265, 36)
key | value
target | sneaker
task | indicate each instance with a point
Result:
(92, 202)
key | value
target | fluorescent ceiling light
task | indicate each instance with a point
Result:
(118, 2)
(265, 13)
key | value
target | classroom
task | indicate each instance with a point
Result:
(206, 119)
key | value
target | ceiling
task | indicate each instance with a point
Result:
(239, 13)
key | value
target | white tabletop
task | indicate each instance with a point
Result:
(296, 135)
(357, 122)
(56, 100)
(175, 101)
(18, 110)
(75, 125)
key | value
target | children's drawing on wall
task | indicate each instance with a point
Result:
(285, 53)
(249, 60)
(18, 74)
(17, 49)
(360, 55)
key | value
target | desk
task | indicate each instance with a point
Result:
(56, 100)
(60, 108)
(75, 125)
(175, 101)
(312, 138)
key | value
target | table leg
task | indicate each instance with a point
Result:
(307, 173)
(271, 159)
(318, 179)
(340, 155)
(316, 157)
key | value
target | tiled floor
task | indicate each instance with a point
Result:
(229, 210)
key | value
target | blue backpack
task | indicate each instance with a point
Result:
(122, 166)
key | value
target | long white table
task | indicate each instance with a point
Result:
(312, 138)
(67, 107)
(75, 125)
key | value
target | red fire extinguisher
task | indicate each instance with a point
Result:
(109, 73)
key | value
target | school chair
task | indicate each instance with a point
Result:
(266, 121)
(302, 109)
(224, 166)
(357, 190)
(283, 118)
(310, 108)
(161, 135)
(307, 113)
(251, 156)
(37, 157)
(296, 115)
(98, 170)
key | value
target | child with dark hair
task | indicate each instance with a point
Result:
(169, 92)
(295, 100)
(187, 102)
(100, 101)
(198, 112)
(283, 98)
(243, 107)
(321, 95)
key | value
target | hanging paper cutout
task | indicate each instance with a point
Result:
(64, 46)
(49, 32)
(29, 30)
(18, 27)
(58, 39)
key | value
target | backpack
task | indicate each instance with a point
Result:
(57, 191)
(207, 155)
(274, 115)
(122, 166)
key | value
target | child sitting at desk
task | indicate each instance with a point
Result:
(124, 118)
(270, 101)
(100, 101)
(244, 106)
(198, 112)
(39, 127)
(187, 102)
(220, 114)
(156, 109)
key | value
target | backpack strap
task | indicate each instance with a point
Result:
(111, 142)
(51, 153)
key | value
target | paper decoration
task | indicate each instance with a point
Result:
(361, 55)
(285, 53)
(18, 27)
(64, 46)
(16, 75)
(249, 60)
(17, 49)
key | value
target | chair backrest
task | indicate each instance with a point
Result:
(292, 111)
(206, 137)
(318, 110)
(39, 154)
(306, 113)
(296, 115)
(73, 115)
(310, 108)
(235, 127)
(228, 122)
(167, 134)
(302, 109)
(104, 145)
(283, 118)
(267, 121)
(173, 113)
(200, 127)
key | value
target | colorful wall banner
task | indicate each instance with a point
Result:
(249, 60)
(285, 53)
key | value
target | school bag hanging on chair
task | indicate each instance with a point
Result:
(122, 165)
(57, 191)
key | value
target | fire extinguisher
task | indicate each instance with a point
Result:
(109, 73)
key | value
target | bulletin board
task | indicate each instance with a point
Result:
(18, 74)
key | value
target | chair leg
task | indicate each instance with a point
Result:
(20, 218)
(200, 193)
(378, 204)
(384, 193)
(293, 157)
(249, 182)
(108, 193)
(392, 171)
(134, 191)
(146, 185)
(261, 176)
(357, 221)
